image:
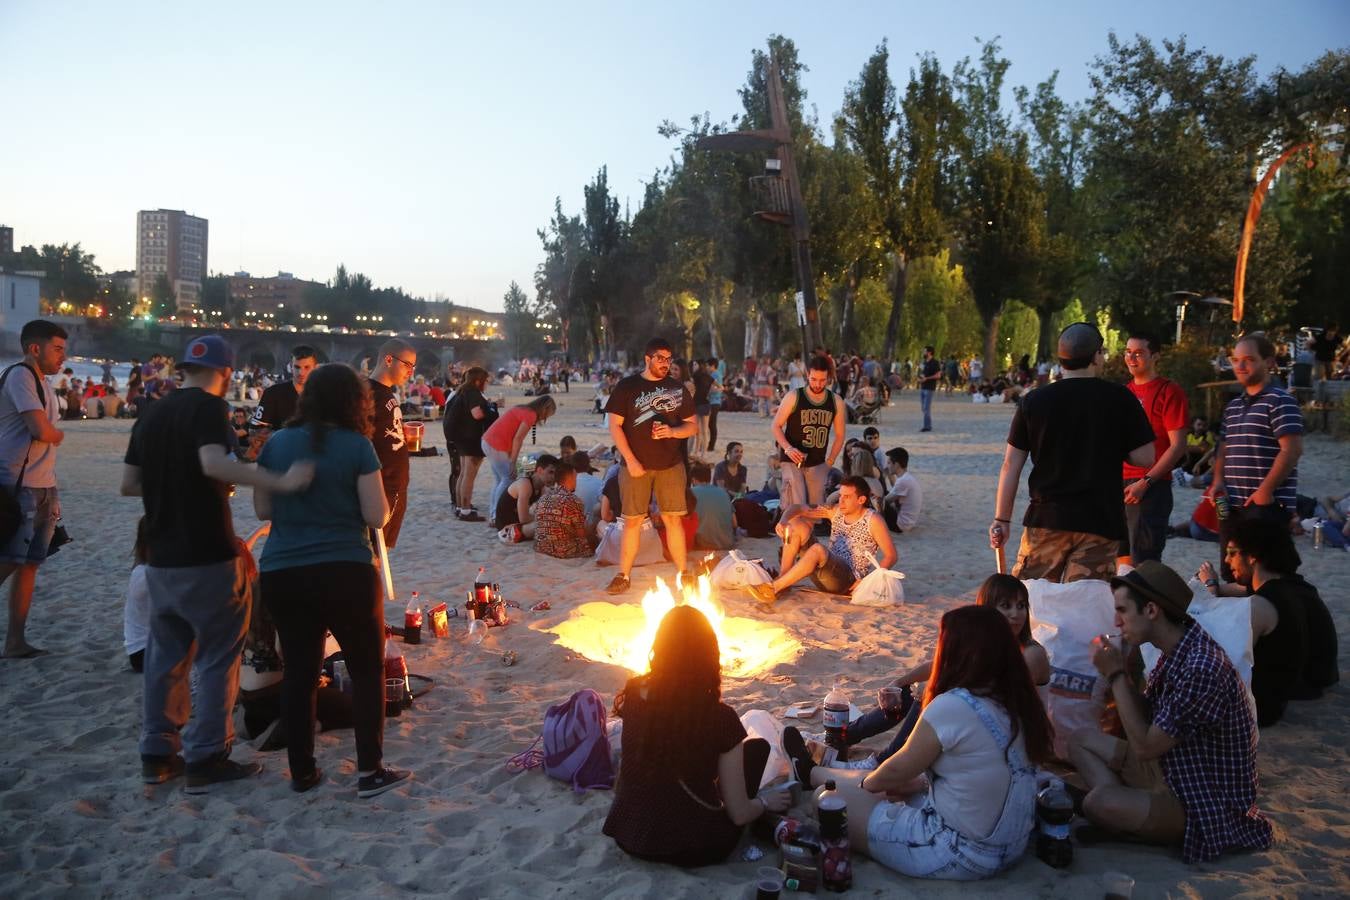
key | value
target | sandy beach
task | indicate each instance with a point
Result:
(75, 821)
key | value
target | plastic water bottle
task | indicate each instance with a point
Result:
(477, 628)
(1054, 812)
(412, 620)
(836, 718)
(836, 867)
(1317, 534)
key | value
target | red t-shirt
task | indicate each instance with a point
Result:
(499, 434)
(1164, 403)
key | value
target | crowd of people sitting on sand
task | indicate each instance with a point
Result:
(950, 795)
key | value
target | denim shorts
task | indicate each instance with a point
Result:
(38, 508)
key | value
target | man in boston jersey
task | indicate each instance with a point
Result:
(281, 400)
(806, 419)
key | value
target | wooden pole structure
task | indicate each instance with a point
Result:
(778, 141)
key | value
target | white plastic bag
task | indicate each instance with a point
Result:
(611, 540)
(736, 572)
(760, 723)
(1064, 620)
(880, 587)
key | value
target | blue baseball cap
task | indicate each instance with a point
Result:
(210, 352)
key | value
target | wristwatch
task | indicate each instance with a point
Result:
(1147, 479)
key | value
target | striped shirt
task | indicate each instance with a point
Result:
(1253, 426)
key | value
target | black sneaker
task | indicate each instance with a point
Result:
(159, 769)
(217, 770)
(304, 783)
(383, 780)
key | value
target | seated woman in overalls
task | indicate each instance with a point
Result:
(971, 757)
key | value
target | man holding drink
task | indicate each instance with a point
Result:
(650, 416)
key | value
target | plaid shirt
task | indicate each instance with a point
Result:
(561, 528)
(1199, 700)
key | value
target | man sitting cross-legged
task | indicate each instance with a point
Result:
(1186, 771)
(857, 535)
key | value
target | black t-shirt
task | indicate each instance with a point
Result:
(930, 367)
(653, 815)
(461, 427)
(1078, 432)
(610, 489)
(277, 406)
(702, 384)
(642, 404)
(387, 436)
(1298, 659)
(187, 514)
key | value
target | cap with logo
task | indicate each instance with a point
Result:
(210, 352)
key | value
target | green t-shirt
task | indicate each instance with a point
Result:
(715, 531)
(323, 523)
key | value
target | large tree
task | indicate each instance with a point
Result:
(1177, 144)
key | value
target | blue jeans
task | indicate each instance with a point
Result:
(503, 470)
(875, 722)
(926, 404)
(198, 619)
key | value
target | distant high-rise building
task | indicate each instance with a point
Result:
(6, 239)
(171, 243)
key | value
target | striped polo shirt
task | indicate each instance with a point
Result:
(1253, 426)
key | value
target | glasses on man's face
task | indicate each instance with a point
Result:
(661, 360)
(410, 365)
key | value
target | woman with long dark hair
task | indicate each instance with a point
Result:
(1001, 592)
(689, 778)
(972, 755)
(318, 571)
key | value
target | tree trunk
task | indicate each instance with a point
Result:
(1044, 340)
(714, 337)
(897, 281)
(991, 345)
(771, 342)
(848, 329)
(754, 321)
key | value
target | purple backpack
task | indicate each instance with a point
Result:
(576, 746)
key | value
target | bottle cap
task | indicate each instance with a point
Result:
(830, 786)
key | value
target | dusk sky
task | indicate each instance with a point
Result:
(423, 143)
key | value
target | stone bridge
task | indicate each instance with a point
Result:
(271, 349)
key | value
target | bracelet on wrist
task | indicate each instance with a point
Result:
(1004, 521)
(1213, 582)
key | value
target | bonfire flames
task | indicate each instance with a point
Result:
(622, 634)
